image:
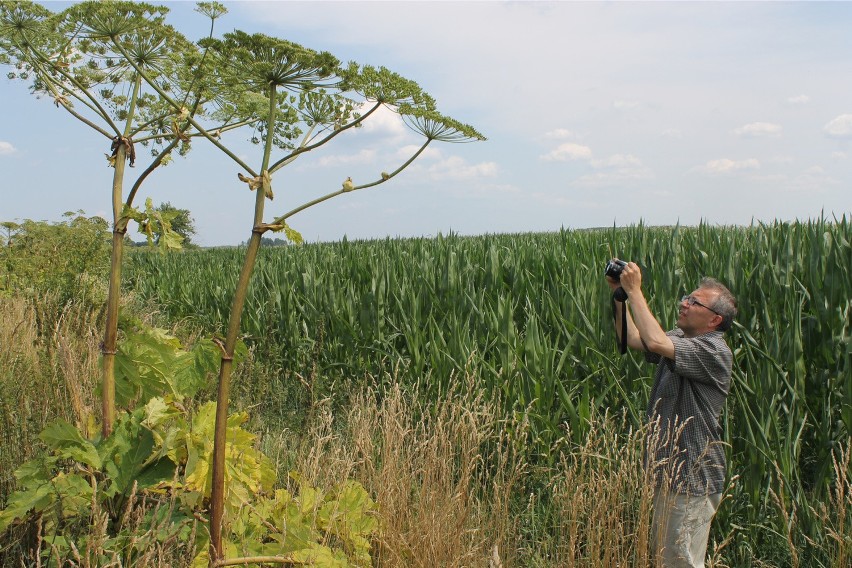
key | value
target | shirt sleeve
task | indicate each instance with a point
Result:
(656, 357)
(703, 359)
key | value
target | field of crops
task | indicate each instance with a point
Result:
(529, 316)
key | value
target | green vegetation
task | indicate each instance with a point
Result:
(66, 258)
(462, 457)
(136, 496)
(528, 316)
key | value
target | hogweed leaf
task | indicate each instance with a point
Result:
(66, 441)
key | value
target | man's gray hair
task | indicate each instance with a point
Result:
(725, 303)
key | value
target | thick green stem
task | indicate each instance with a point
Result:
(137, 88)
(119, 229)
(217, 492)
(108, 349)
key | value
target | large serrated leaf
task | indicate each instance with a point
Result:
(20, 503)
(68, 442)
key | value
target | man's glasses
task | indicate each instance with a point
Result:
(691, 301)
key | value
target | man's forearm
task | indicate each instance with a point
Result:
(648, 328)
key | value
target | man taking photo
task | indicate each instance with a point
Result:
(692, 380)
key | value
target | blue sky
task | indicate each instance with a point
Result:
(596, 114)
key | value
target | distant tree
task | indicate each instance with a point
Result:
(181, 220)
(276, 242)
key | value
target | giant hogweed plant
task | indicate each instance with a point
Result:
(297, 100)
(89, 60)
(157, 462)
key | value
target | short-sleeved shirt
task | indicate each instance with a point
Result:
(686, 402)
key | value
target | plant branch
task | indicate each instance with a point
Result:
(281, 219)
(55, 86)
(302, 149)
(177, 107)
(86, 121)
(308, 135)
(154, 165)
(137, 86)
(215, 131)
(46, 61)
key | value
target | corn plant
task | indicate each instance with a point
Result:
(528, 315)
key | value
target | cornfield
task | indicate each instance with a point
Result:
(529, 316)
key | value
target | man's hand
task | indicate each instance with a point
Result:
(613, 284)
(631, 278)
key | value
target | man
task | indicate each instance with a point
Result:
(692, 380)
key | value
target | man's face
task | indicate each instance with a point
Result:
(697, 318)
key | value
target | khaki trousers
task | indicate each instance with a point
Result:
(681, 527)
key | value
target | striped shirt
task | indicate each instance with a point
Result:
(684, 409)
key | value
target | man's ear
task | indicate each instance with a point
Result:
(716, 324)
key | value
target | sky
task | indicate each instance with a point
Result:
(596, 114)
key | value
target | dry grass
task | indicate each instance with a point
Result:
(603, 498)
(426, 470)
(834, 516)
(48, 370)
(453, 489)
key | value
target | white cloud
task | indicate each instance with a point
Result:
(618, 168)
(780, 160)
(758, 130)
(672, 133)
(726, 166)
(799, 100)
(774, 179)
(457, 168)
(383, 121)
(838, 155)
(559, 134)
(6, 148)
(840, 127)
(568, 151)
(617, 161)
(813, 179)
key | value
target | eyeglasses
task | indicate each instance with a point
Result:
(691, 301)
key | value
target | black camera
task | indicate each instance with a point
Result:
(614, 267)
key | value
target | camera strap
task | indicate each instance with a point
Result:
(619, 295)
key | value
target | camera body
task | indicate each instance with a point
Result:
(614, 267)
